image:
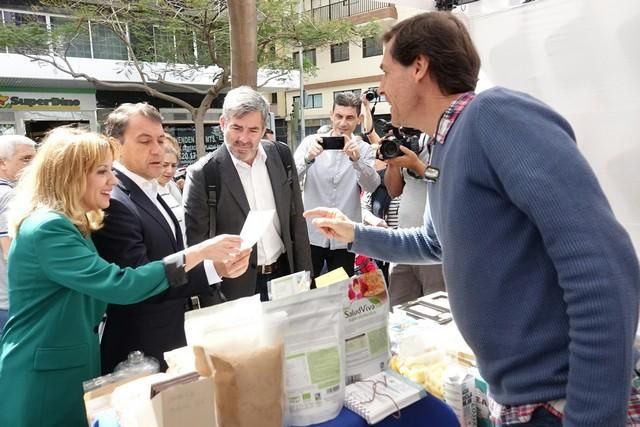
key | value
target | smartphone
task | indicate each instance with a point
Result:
(333, 142)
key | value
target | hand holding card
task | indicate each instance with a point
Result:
(254, 227)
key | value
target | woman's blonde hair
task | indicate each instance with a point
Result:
(171, 145)
(56, 179)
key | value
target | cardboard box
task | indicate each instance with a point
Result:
(190, 404)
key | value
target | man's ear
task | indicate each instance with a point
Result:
(420, 67)
(222, 123)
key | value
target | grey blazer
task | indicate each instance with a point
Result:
(233, 208)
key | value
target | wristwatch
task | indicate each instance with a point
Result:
(309, 162)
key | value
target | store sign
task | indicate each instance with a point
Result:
(186, 137)
(46, 101)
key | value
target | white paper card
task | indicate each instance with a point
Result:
(254, 227)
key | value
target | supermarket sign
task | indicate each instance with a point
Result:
(46, 101)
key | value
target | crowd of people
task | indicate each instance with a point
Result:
(495, 204)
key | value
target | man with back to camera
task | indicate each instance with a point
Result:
(543, 281)
(139, 227)
(16, 152)
(248, 173)
(334, 178)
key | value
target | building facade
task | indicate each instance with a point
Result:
(343, 67)
(36, 96)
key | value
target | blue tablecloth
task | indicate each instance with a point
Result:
(426, 412)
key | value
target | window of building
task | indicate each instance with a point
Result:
(31, 19)
(106, 44)
(164, 45)
(313, 100)
(274, 98)
(185, 46)
(309, 56)
(371, 46)
(340, 52)
(76, 40)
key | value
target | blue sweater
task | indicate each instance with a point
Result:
(543, 281)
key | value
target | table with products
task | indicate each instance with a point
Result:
(418, 378)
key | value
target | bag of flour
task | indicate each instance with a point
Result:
(246, 348)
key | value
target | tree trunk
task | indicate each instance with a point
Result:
(198, 121)
(243, 37)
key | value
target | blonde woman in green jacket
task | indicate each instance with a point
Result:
(59, 287)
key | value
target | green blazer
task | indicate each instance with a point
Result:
(58, 292)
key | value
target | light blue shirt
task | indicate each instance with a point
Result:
(334, 181)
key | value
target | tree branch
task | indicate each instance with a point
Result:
(182, 86)
(98, 82)
(275, 76)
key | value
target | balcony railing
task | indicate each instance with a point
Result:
(346, 8)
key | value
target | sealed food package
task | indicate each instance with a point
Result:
(314, 354)
(292, 284)
(249, 387)
(366, 316)
(246, 348)
(199, 323)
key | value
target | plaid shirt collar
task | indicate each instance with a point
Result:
(450, 115)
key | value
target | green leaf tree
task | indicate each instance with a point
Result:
(166, 44)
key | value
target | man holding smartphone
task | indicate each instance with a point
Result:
(334, 171)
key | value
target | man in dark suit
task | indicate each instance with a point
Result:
(242, 175)
(139, 227)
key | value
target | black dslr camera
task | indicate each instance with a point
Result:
(371, 94)
(390, 145)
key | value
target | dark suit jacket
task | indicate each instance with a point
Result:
(134, 233)
(233, 208)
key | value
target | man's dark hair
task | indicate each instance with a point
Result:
(118, 120)
(347, 99)
(443, 39)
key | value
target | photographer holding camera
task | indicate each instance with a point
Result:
(405, 153)
(334, 167)
(406, 165)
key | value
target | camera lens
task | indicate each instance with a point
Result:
(390, 149)
(371, 94)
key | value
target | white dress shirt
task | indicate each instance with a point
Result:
(259, 192)
(165, 191)
(150, 188)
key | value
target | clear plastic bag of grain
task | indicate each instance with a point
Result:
(247, 353)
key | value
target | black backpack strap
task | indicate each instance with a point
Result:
(212, 181)
(286, 157)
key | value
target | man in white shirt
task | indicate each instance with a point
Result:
(139, 227)
(334, 178)
(16, 152)
(242, 175)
